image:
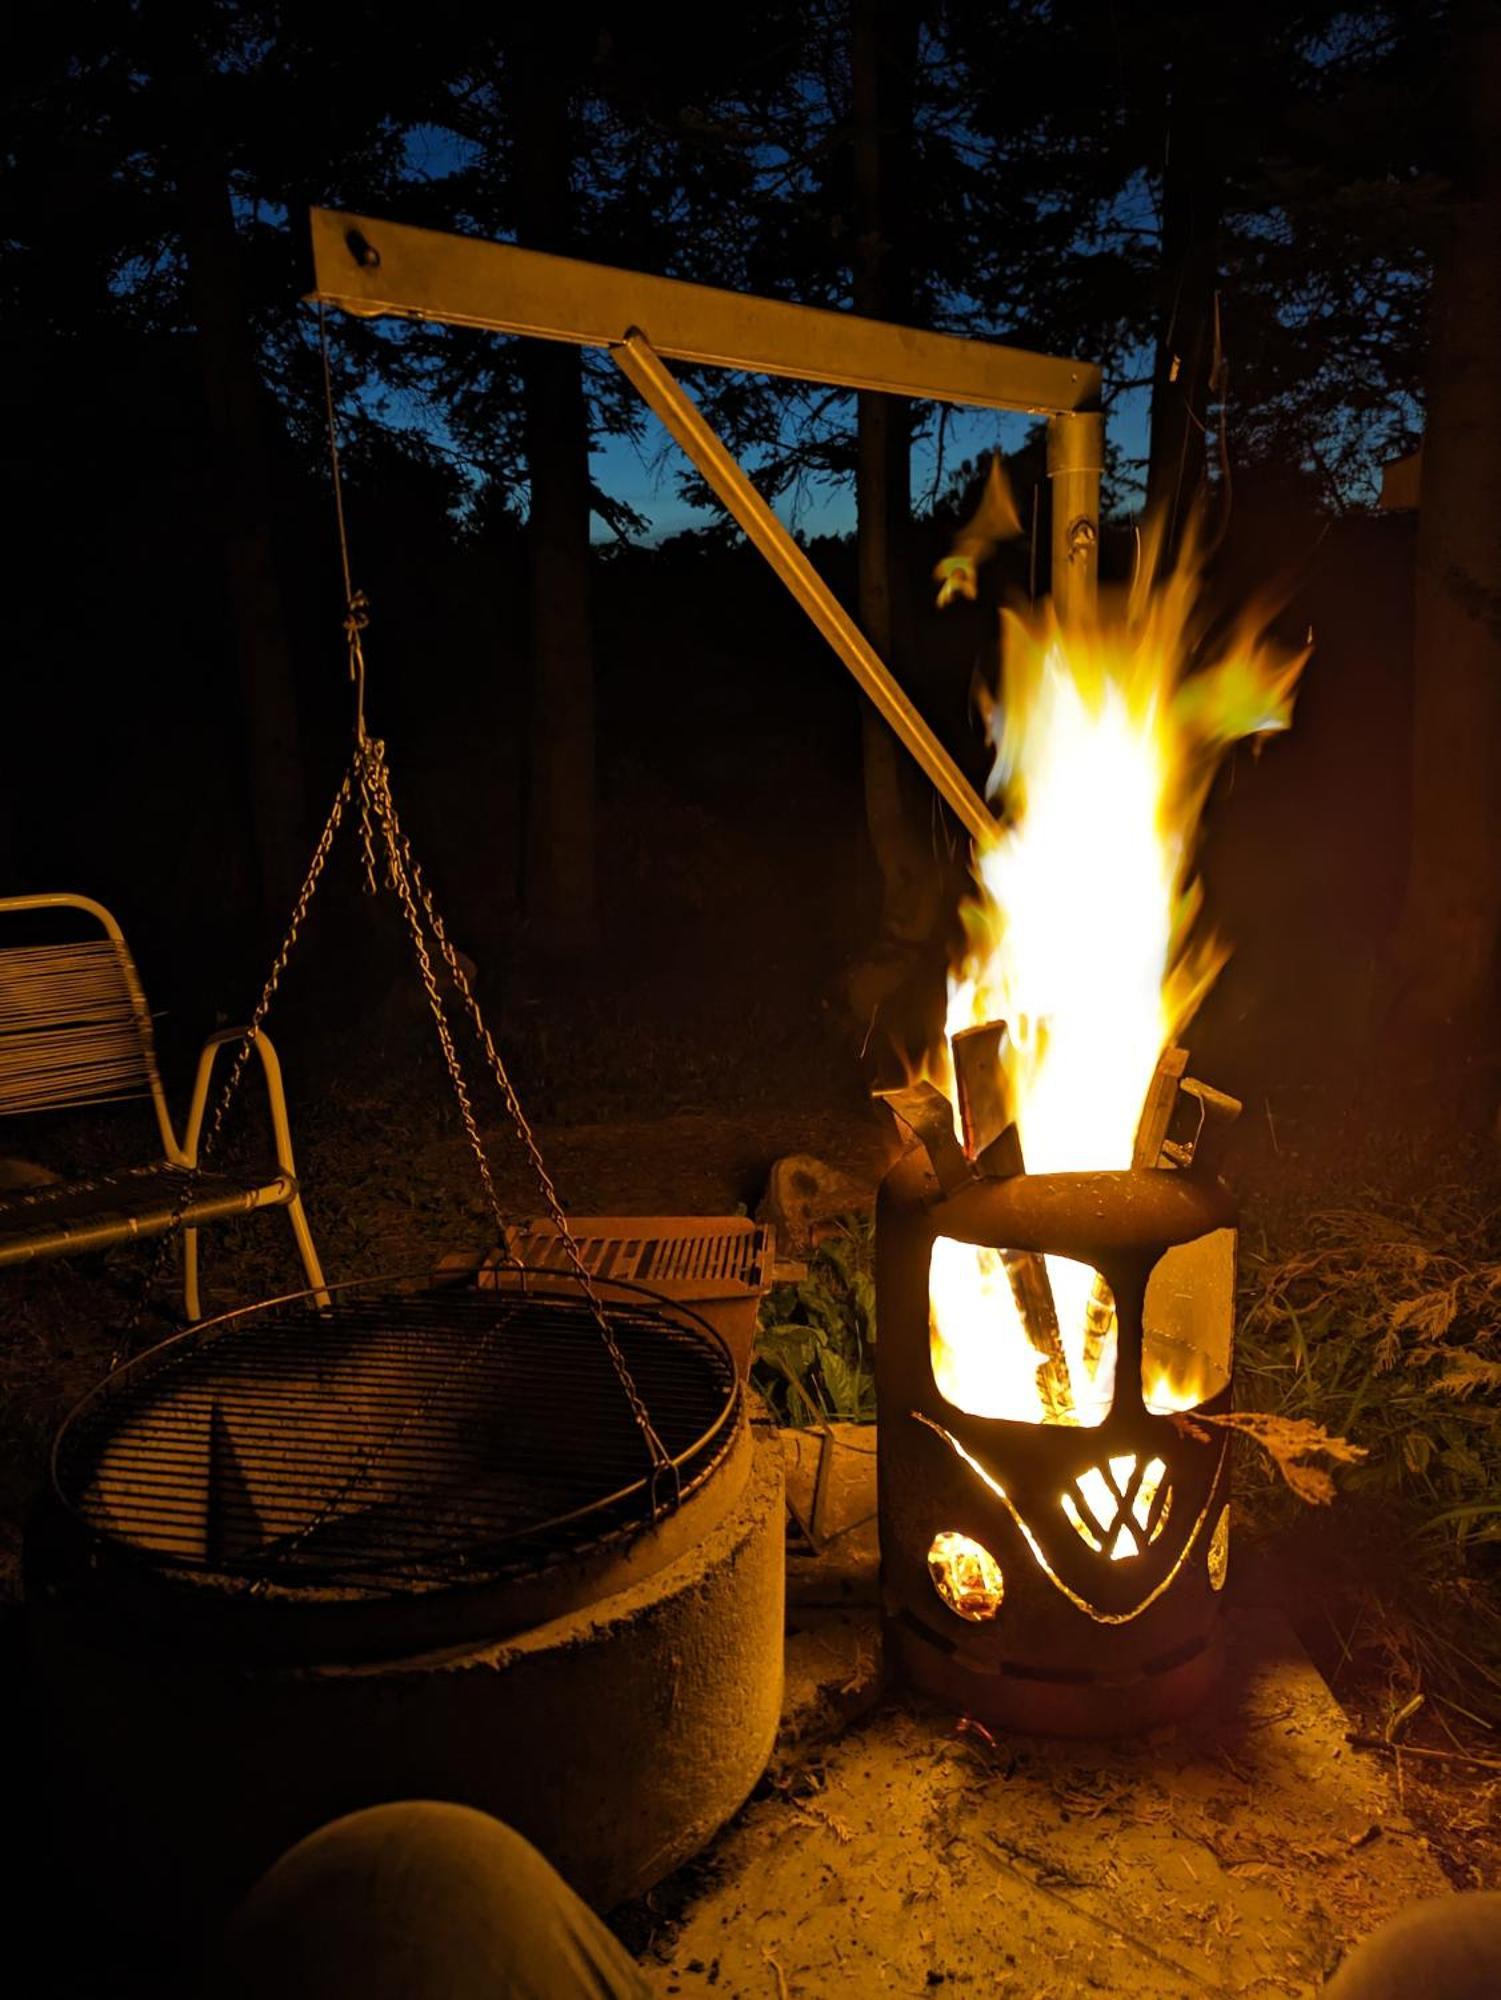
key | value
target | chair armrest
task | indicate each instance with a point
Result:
(276, 1096)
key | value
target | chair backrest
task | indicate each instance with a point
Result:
(74, 1025)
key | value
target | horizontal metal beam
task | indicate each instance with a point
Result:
(638, 361)
(378, 269)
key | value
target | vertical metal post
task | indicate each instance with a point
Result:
(1076, 456)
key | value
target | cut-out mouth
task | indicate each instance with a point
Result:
(1129, 1483)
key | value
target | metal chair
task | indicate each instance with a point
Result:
(75, 1030)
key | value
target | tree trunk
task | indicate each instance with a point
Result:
(242, 497)
(883, 58)
(1183, 369)
(1452, 916)
(559, 886)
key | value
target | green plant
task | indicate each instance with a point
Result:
(814, 1345)
(1384, 1324)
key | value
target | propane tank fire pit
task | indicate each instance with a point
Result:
(1052, 1550)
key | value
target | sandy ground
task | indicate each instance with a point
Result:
(906, 1850)
(890, 1849)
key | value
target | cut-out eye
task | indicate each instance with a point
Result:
(966, 1576)
(1114, 1509)
(1001, 1334)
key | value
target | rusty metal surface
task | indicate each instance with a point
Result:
(1081, 1642)
(1099, 1218)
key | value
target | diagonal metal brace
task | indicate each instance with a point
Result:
(660, 389)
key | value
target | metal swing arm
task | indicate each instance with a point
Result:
(377, 269)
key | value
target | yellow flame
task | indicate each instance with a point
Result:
(1106, 1522)
(966, 1576)
(1083, 932)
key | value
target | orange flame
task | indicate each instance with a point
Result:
(1084, 933)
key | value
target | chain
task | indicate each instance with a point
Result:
(402, 872)
(356, 619)
(368, 781)
(375, 798)
(412, 890)
(279, 964)
(137, 1313)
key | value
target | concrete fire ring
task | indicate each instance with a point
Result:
(618, 1739)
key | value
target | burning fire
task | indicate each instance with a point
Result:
(1083, 936)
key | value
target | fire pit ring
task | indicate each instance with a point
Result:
(300, 1480)
(215, 1684)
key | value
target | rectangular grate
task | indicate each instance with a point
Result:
(718, 1264)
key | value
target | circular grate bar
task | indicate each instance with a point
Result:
(418, 1438)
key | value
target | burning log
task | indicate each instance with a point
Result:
(929, 1117)
(1151, 1136)
(1217, 1112)
(993, 1142)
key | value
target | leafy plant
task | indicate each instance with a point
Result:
(814, 1347)
(1385, 1325)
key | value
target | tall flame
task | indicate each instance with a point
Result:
(1083, 933)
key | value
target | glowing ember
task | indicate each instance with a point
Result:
(1082, 938)
(966, 1576)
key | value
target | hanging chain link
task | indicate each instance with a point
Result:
(378, 809)
(413, 892)
(375, 800)
(367, 782)
(279, 964)
(124, 1338)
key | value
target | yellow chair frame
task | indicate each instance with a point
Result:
(52, 1060)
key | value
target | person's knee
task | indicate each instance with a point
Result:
(1446, 1949)
(421, 1899)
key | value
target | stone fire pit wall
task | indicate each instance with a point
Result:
(616, 1738)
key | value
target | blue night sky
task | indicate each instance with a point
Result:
(645, 476)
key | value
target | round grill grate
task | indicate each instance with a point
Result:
(397, 1440)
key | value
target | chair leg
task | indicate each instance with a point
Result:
(304, 1238)
(190, 1301)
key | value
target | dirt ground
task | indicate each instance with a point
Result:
(391, 1186)
(900, 1848)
